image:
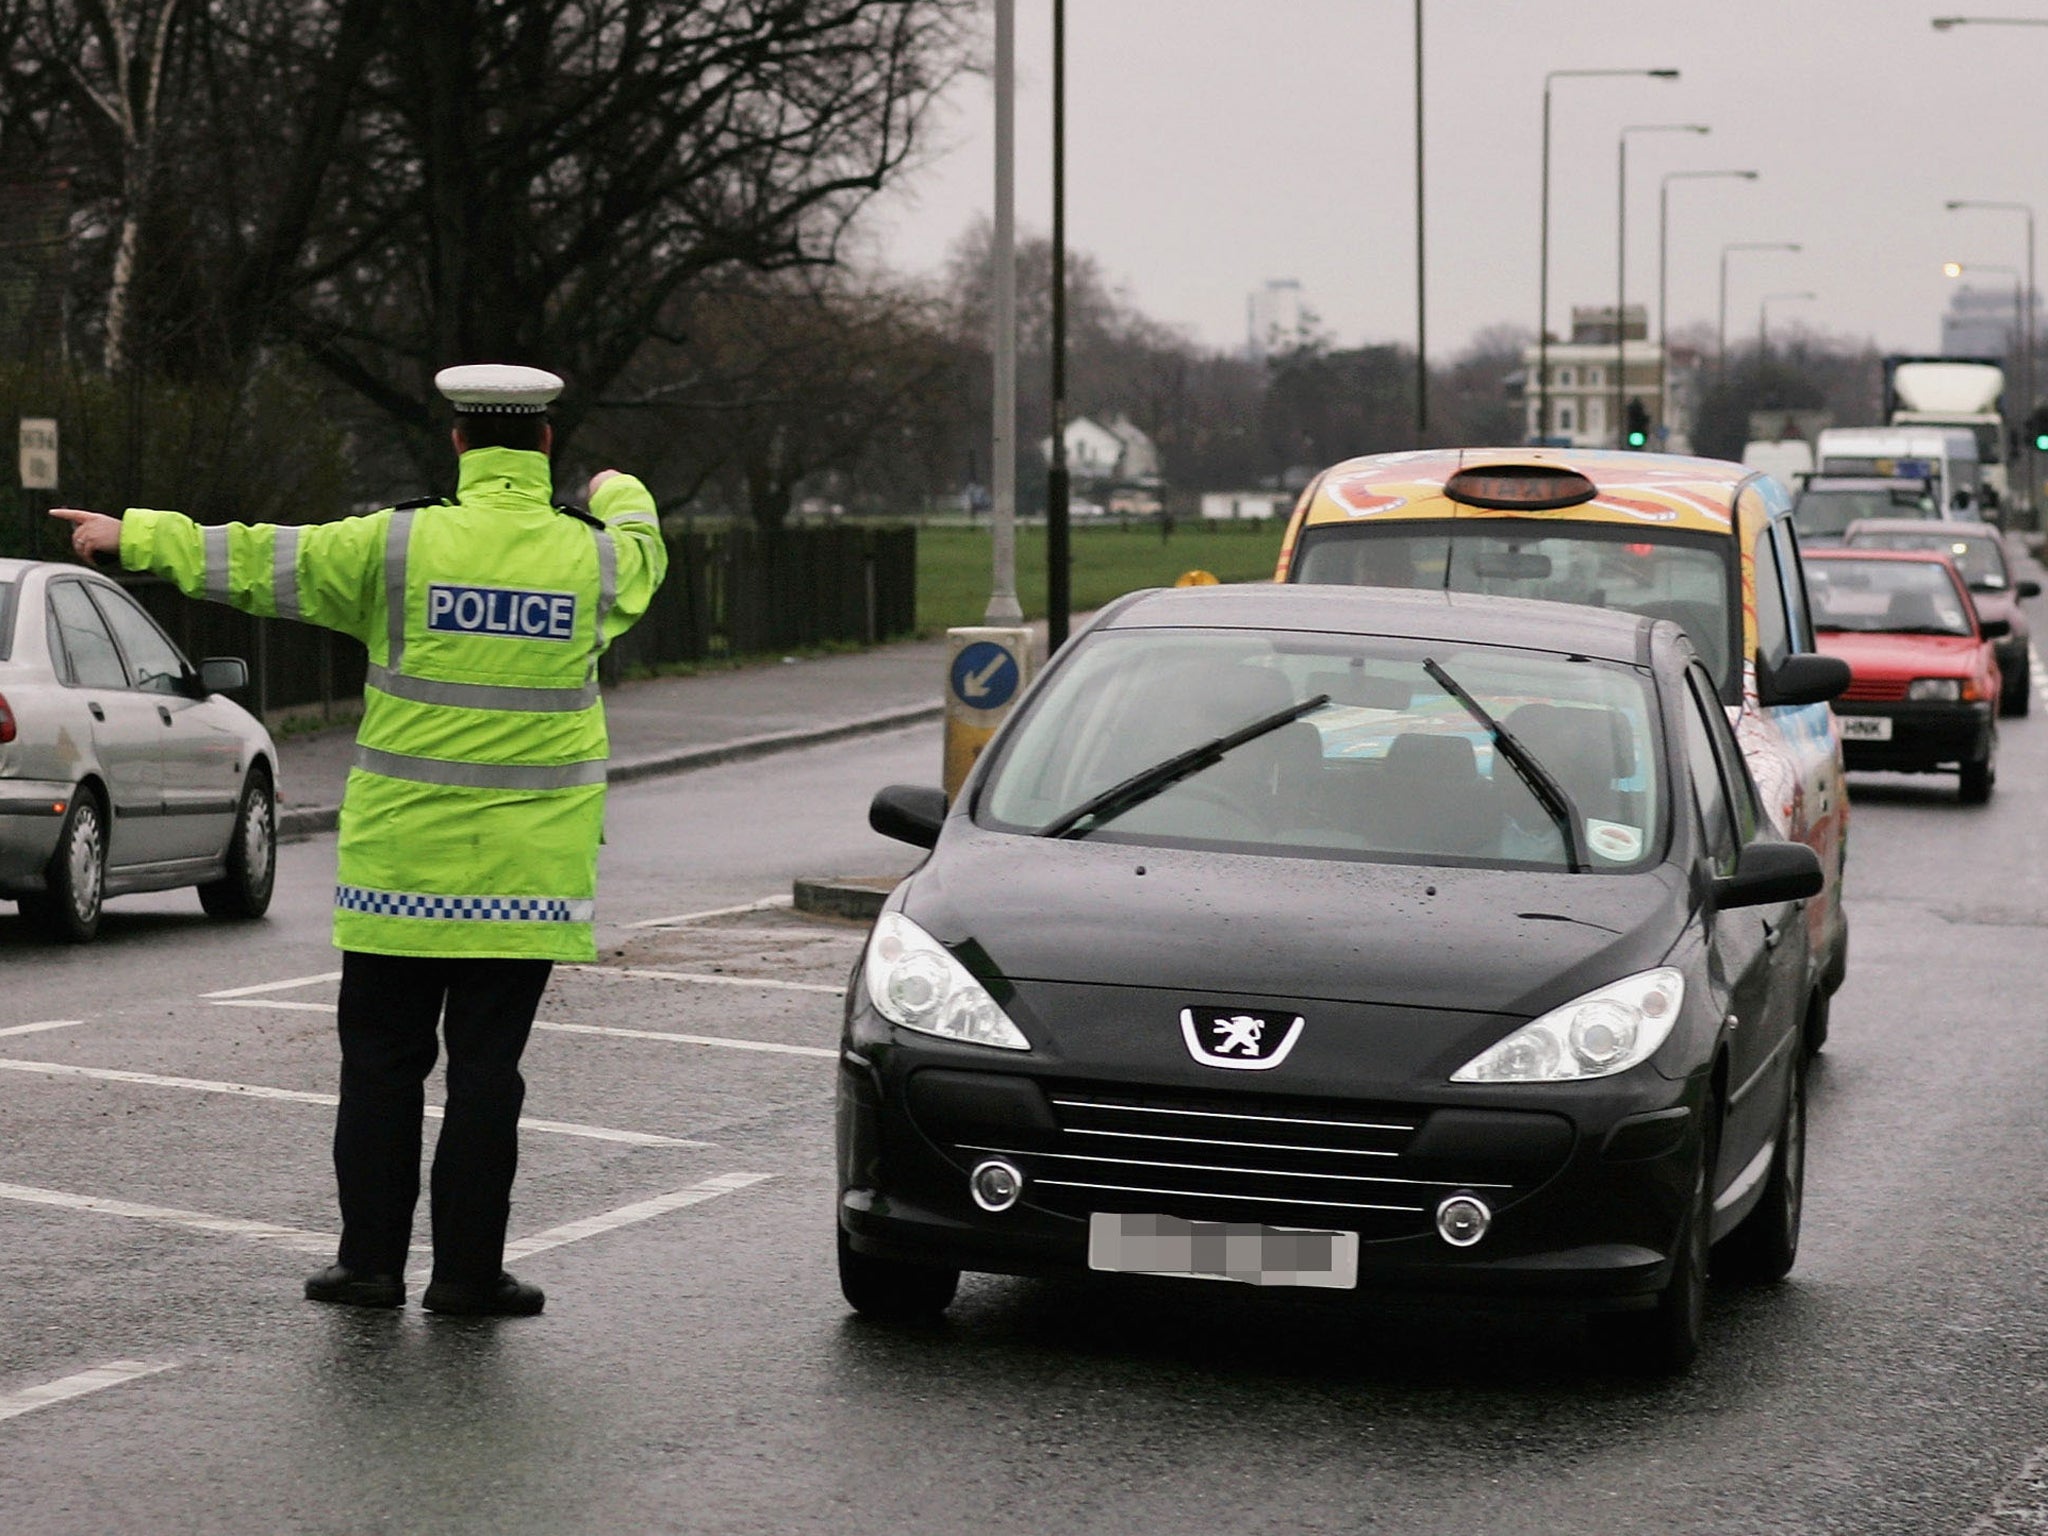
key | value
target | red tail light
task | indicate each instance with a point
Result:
(6, 721)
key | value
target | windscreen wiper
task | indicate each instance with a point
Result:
(1143, 785)
(1548, 792)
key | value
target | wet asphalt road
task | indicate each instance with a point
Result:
(696, 1370)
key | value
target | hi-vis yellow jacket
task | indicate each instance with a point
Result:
(474, 807)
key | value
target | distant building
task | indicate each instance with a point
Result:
(1582, 384)
(1274, 319)
(1101, 454)
(1986, 322)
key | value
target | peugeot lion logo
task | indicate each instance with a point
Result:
(1238, 1037)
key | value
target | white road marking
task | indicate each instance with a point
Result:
(301, 1096)
(719, 1040)
(274, 986)
(705, 979)
(33, 1029)
(2022, 1504)
(624, 1216)
(615, 1031)
(272, 1002)
(763, 905)
(112, 1374)
(295, 1238)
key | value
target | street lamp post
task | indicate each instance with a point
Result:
(1621, 263)
(1543, 241)
(2026, 336)
(1002, 598)
(1058, 576)
(1763, 314)
(1944, 23)
(1721, 340)
(1663, 273)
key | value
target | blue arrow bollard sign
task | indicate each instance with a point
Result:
(984, 675)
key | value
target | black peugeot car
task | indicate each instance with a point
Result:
(1398, 942)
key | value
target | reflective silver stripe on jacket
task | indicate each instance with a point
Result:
(632, 517)
(284, 574)
(425, 690)
(216, 574)
(397, 538)
(437, 770)
(472, 909)
(607, 583)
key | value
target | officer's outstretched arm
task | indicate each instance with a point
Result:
(626, 509)
(325, 573)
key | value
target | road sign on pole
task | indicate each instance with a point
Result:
(986, 670)
(38, 453)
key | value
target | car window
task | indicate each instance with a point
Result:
(1745, 807)
(1687, 578)
(94, 661)
(1391, 767)
(154, 665)
(1977, 556)
(1710, 797)
(1916, 597)
(1820, 512)
(1795, 583)
(1773, 630)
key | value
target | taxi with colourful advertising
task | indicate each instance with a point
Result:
(1707, 544)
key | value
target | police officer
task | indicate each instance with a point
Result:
(469, 829)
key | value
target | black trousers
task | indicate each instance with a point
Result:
(390, 1005)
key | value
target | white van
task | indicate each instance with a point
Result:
(1789, 459)
(1946, 456)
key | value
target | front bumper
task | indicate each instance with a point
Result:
(1926, 736)
(1588, 1183)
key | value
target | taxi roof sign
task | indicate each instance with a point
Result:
(1520, 487)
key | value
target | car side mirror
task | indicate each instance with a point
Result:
(1802, 678)
(2027, 589)
(223, 674)
(1994, 629)
(1768, 873)
(910, 813)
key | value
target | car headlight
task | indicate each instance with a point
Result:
(1946, 689)
(912, 980)
(1598, 1035)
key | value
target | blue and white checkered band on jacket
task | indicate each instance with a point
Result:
(472, 909)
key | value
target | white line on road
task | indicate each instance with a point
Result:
(2022, 1504)
(274, 986)
(295, 1238)
(112, 1374)
(763, 905)
(705, 979)
(614, 1031)
(301, 1096)
(271, 1002)
(34, 1029)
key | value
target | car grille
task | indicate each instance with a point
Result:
(1875, 690)
(1243, 1159)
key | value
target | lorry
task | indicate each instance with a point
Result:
(1944, 459)
(1955, 392)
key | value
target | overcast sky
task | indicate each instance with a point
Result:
(1213, 144)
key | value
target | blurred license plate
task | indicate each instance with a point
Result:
(1866, 727)
(1222, 1250)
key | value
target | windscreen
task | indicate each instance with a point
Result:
(1915, 597)
(1393, 767)
(1828, 513)
(1978, 557)
(1689, 579)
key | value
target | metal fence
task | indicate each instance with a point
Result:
(733, 592)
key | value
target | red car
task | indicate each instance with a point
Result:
(1924, 680)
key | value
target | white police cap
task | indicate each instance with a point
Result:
(498, 388)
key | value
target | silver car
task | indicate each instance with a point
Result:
(121, 766)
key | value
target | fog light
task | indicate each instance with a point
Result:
(996, 1185)
(1461, 1220)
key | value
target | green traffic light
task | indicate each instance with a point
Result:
(2041, 442)
(1637, 439)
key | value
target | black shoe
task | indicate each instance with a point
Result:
(344, 1287)
(502, 1297)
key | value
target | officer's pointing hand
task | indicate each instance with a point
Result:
(92, 533)
(600, 477)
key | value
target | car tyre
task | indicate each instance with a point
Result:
(2018, 698)
(245, 890)
(1976, 781)
(68, 908)
(1763, 1247)
(1665, 1339)
(891, 1291)
(1818, 1010)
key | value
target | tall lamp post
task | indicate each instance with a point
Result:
(1944, 23)
(1763, 315)
(2029, 478)
(1421, 313)
(1621, 262)
(1663, 284)
(1058, 575)
(1721, 340)
(1543, 242)
(1002, 598)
